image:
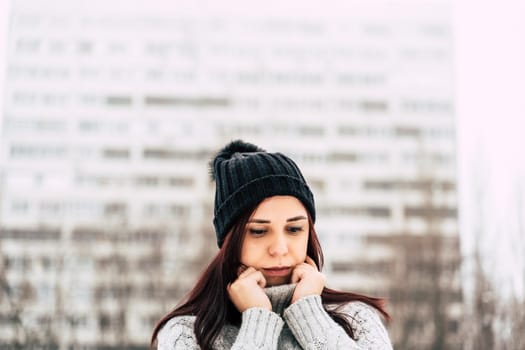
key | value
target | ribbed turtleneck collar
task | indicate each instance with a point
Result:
(280, 296)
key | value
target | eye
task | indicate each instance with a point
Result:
(257, 231)
(295, 229)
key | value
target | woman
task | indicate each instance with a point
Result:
(264, 289)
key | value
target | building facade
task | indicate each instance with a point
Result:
(112, 112)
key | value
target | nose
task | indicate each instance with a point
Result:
(278, 246)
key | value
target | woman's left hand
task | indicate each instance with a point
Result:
(310, 281)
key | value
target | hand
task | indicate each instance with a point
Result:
(247, 291)
(310, 281)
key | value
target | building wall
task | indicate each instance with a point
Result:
(111, 115)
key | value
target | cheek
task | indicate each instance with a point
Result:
(250, 253)
(300, 249)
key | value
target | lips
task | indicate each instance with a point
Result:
(277, 271)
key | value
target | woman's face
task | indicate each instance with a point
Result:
(276, 238)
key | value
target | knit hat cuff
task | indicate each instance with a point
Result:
(253, 192)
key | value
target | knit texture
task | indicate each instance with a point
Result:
(302, 325)
(244, 175)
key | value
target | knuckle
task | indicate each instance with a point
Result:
(235, 286)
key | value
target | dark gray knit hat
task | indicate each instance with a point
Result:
(244, 175)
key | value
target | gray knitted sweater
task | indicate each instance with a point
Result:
(302, 325)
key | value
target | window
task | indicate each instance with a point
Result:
(347, 130)
(50, 208)
(90, 72)
(373, 106)
(180, 181)
(19, 206)
(318, 184)
(89, 100)
(88, 209)
(376, 29)
(310, 130)
(117, 47)
(342, 157)
(54, 99)
(369, 211)
(88, 126)
(36, 151)
(24, 98)
(378, 212)
(402, 185)
(407, 131)
(149, 263)
(148, 181)
(190, 101)
(84, 47)
(363, 267)
(434, 30)
(167, 153)
(48, 263)
(115, 208)
(159, 48)
(354, 79)
(45, 293)
(240, 129)
(88, 235)
(115, 153)
(27, 45)
(166, 210)
(39, 125)
(24, 291)
(41, 234)
(179, 210)
(431, 212)
(118, 100)
(426, 106)
(57, 47)
(151, 209)
(21, 264)
(158, 153)
(27, 20)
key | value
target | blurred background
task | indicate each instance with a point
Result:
(405, 116)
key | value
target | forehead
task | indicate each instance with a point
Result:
(279, 207)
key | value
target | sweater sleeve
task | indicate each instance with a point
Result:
(260, 329)
(314, 329)
(177, 334)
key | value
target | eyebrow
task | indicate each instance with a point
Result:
(296, 218)
(262, 221)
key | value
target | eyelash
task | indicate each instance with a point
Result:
(291, 229)
(257, 232)
(295, 229)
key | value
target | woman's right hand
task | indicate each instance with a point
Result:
(247, 291)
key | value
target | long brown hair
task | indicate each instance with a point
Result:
(210, 303)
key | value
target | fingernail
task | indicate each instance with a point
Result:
(241, 269)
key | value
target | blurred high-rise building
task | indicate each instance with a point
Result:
(113, 110)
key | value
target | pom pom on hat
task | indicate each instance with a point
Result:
(237, 146)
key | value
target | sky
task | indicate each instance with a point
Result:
(489, 47)
(3, 32)
(490, 112)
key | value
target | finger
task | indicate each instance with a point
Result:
(297, 274)
(247, 271)
(259, 278)
(241, 269)
(311, 262)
